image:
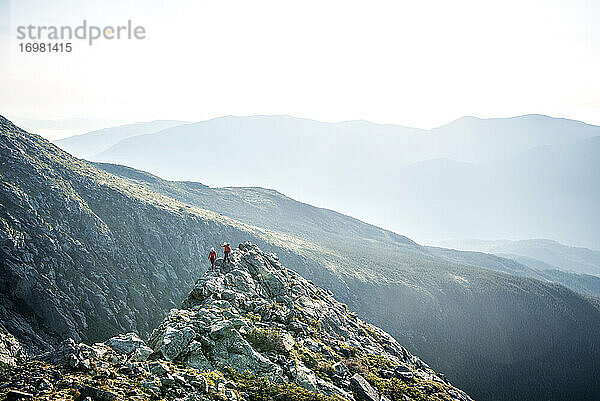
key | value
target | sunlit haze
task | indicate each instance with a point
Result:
(413, 63)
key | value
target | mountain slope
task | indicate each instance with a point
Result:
(272, 210)
(520, 266)
(264, 208)
(91, 143)
(269, 208)
(77, 240)
(88, 254)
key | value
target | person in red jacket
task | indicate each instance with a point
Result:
(226, 251)
(212, 256)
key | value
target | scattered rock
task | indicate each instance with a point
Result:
(362, 390)
(44, 385)
(151, 386)
(201, 384)
(130, 344)
(159, 368)
(97, 394)
(340, 369)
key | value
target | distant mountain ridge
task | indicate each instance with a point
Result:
(526, 176)
(506, 137)
(88, 145)
(546, 252)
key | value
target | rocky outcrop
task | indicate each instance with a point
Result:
(11, 352)
(250, 330)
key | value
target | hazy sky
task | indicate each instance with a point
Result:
(417, 63)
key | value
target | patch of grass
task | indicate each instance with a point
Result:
(265, 340)
(371, 368)
(317, 362)
(419, 390)
(4, 367)
(213, 377)
(313, 324)
(253, 317)
(262, 389)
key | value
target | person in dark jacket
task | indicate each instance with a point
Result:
(212, 257)
(226, 250)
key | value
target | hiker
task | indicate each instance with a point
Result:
(226, 251)
(212, 256)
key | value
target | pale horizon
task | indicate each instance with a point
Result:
(404, 63)
(80, 126)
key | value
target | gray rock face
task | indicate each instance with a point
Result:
(130, 344)
(11, 352)
(362, 389)
(172, 341)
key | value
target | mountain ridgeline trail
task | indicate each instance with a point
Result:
(251, 330)
(88, 253)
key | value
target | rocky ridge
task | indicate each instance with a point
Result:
(251, 330)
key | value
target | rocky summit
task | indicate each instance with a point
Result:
(250, 330)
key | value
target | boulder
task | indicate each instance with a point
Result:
(340, 369)
(401, 368)
(232, 349)
(158, 368)
(151, 386)
(285, 342)
(304, 377)
(362, 390)
(196, 358)
(130, 344)
(173, 342)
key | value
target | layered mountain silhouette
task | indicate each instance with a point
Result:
(523, 177)
(549, 191)
(88, 254)
(539, 253)
(88, 145)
